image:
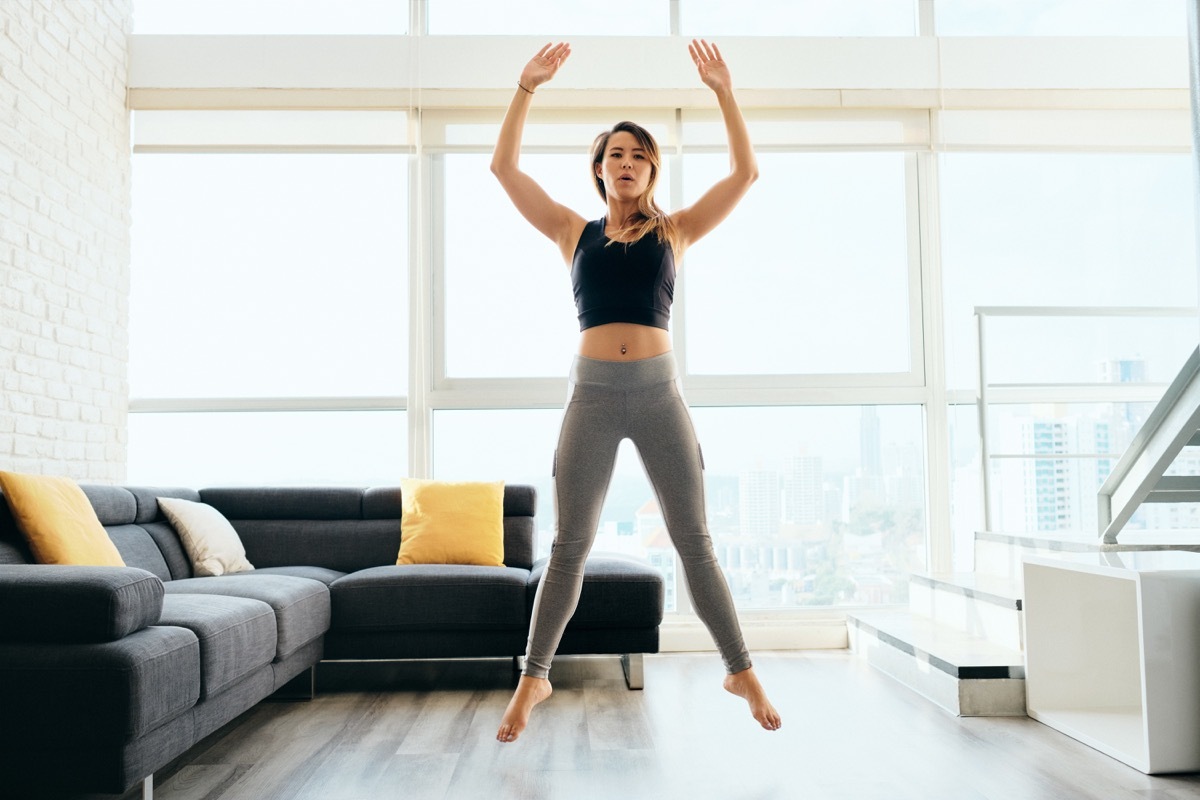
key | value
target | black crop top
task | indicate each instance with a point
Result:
(622, 282)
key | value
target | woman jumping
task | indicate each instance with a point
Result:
(624, 379)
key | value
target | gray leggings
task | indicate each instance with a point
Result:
(638, 400)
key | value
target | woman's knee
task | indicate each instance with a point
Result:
(567, 550)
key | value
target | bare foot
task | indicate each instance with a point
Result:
(530, 691)
(746, 686)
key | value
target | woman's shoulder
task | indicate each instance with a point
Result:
(592, 230)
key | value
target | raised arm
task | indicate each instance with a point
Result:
(715, 204)
(556, 221)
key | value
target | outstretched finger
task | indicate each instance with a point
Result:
(717, 52)
(558, 53)
(542, 52)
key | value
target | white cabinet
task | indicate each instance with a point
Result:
(1112, 653)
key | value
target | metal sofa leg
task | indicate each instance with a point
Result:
(518, 664)
(148, 787)
(301, 687)
(635, 677)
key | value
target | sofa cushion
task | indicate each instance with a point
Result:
(301, 605)
(325, 576)
(445, 522)
(139, 549)
(618, 592)
(236, 635)
(146, 500)
(52, 603)
(114, 505)
(344, 545)
(97, 692)
(430, 596)
(57, 520)
(211, 543)
(171, 550)
(286, 502)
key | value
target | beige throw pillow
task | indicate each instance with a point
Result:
(210, 541)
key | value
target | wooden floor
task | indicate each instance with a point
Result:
(422, 731)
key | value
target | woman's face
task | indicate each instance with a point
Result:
(624, 167)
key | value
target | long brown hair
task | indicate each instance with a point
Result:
(649, 217)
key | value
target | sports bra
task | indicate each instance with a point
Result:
(619, 282)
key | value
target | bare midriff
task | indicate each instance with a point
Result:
(624, 341)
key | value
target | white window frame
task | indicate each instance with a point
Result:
(925, 75)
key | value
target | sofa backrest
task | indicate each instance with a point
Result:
(345, 529)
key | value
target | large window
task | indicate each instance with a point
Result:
(270, 16)
(269, 305)
(816, 506)
(809, 504)
(710, 18)
(504, 277)
(347, 295)
(269, 275)
(1095, 237)
(1060, 18)
(548, 18)
(798, 18)
(1066, 229)
(812, 506)
(268, 448)
(791, 266)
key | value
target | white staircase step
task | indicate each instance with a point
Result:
(983, 606)
(998, 554)
(964, 674)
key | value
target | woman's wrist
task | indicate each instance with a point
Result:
(521, 85)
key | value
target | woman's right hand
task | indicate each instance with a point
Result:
(544, 65)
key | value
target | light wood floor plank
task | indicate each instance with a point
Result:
(442, 724)
(425, 731)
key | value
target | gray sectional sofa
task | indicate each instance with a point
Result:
(107, 674)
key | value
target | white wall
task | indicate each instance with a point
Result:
(64, 237)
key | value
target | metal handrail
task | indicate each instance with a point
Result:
(1139, 477)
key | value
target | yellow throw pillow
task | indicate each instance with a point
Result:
(451, 523)
(55, 517)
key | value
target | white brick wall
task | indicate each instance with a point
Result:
(64, 237)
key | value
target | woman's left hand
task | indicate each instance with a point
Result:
(713, 70)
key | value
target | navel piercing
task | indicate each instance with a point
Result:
(622, 348)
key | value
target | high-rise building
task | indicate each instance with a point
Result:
(904, 475)
(869, 445)
(1123, 370)
(759, 503)
(803, 491)
(1056, 492)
